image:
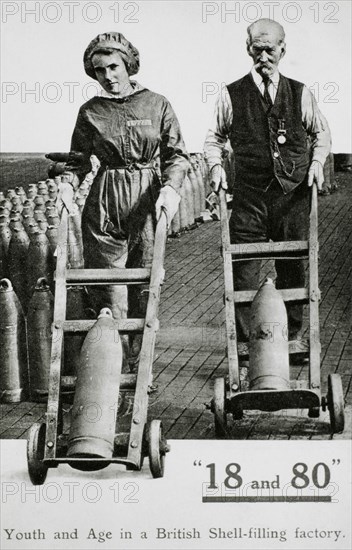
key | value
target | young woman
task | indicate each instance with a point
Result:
(137, 139)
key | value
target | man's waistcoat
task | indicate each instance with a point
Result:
(254, 132)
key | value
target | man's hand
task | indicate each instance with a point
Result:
(218, 178)
(168, 201)
(316, 174)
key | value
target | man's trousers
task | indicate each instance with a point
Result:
(259, 216)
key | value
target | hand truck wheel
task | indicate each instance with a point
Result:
(237, 413)
(219, 409)
(156, 449)
(35, 454)
(314, 412)
(336, 403)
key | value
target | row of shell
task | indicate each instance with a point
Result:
(25, 343)
(25, 340)
(193, 194)
(329, 174)
(29, 223)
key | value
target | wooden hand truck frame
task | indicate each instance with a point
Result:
(228, 397)
(46, 444)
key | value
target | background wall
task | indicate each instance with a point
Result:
(188, 49)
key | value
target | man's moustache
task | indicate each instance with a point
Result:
(261, 65)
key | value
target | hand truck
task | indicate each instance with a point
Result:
(228, 395)
(47, 442)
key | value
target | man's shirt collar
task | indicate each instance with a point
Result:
(259, 81)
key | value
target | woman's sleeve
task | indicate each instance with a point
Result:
(81, 147)
(174, 158)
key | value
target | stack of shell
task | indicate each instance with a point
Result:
(29, 224)
(192, 208)
(329, 185)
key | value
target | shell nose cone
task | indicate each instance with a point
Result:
(42, 284)
(105, 312)
(5, 285)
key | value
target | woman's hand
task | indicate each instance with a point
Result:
(72, 179)
(168, 201)
(218, 178)
(66, 194)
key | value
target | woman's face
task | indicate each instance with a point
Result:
(111, 72)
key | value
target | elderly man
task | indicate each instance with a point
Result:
(280, 142)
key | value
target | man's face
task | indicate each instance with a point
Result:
(265, 51)
(110, 71)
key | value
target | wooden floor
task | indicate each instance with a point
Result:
(190, 350)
